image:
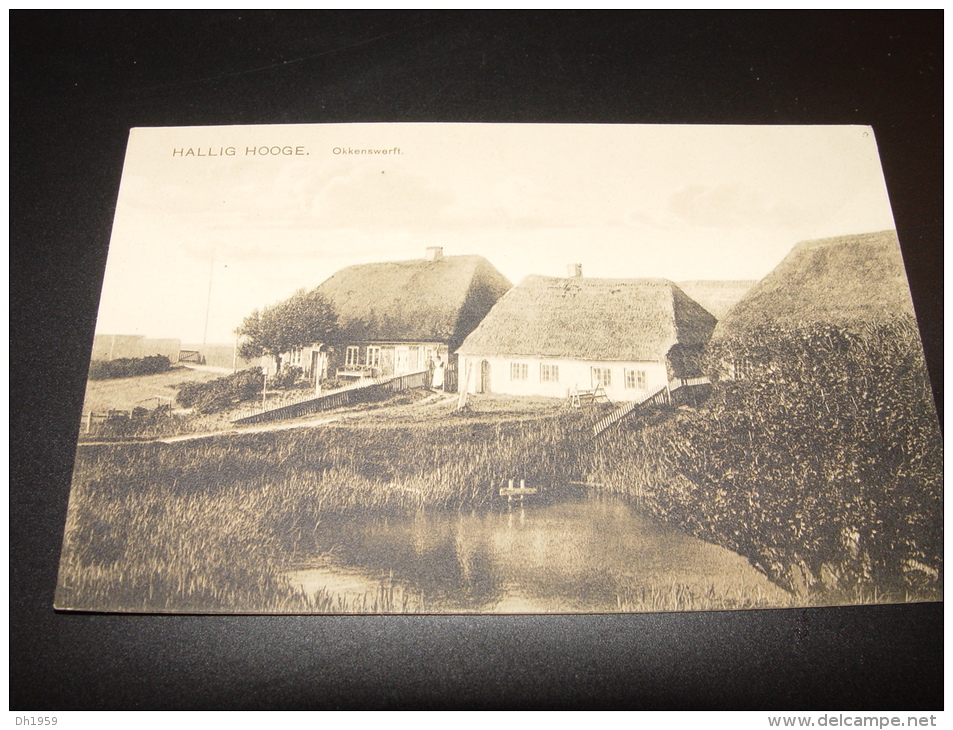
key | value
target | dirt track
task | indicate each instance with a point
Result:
(435, 402)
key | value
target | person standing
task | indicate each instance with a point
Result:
(438, 373)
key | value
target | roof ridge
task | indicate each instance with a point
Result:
(867, 237)
(599, 279)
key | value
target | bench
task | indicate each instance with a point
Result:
(588, 397)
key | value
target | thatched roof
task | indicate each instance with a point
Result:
(717, 296)
(847, 281)
(591, 319)
(414, 301)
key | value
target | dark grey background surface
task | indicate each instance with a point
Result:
(80, 81)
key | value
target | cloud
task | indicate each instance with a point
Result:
(724, 205)
(367, 197)
(739, 206)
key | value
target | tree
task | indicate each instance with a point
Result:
(304, 319)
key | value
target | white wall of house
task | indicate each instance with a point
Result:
(555, 378)
(377, 358)
(303, 358)
(387, 358)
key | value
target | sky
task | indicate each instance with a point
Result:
(214, 222)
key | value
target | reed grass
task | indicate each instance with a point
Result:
(683, 597)
(211, 525)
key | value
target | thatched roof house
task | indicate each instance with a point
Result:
(395, 316)
(437, 299)
(848, 281)
(550, 335)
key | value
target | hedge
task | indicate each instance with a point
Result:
(127, 367)
(823, 466)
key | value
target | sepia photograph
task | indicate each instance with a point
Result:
(503, 369)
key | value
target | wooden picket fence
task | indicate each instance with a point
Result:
(658, 397)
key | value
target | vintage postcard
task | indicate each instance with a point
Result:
(466, 368)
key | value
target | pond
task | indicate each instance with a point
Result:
(585, 555)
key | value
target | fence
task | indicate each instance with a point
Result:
(192, 356)
(688, 391)
(359, 392)
(666, 395)
(659, 397)
(119, 417)
(406, 382)
(677, 383)
(451, 377)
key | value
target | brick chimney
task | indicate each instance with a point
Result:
(434, 253)
(574, 271)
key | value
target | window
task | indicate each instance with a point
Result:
(519, 371)
(601, 377)
(635, 379)
(374, 356)
(549, 373)
(352, 356)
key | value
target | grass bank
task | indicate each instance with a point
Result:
(209, 525)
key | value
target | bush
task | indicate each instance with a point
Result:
(127, 367)
(213, 401)
(221, 393)
(285, 378)
(823, 467)
(138, 423)
(247, 384)
(187, 394)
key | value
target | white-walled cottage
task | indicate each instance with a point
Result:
(395, 316)
(553, 336)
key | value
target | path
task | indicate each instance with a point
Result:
(208, 368)
(126, 393)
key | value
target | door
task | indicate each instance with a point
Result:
(319, 364)
(485, 376)
(401, 357)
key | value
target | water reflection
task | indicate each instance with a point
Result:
(575, 556)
